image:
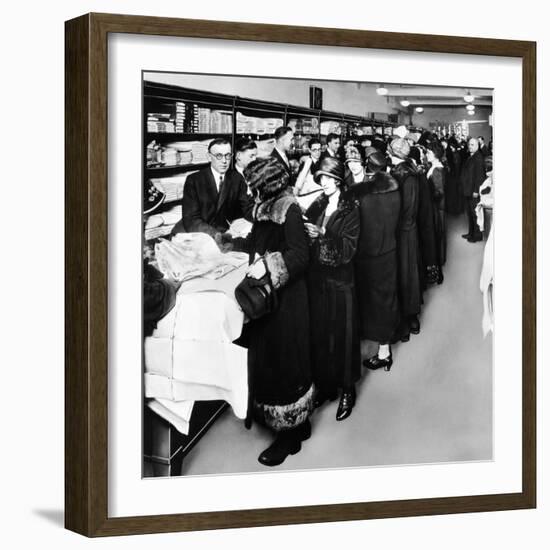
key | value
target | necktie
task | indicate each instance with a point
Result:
(220, 184)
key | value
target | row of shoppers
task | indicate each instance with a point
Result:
(348, 266)
(349, 246)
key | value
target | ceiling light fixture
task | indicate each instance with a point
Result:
(405, 102)
(469, 97)
(471, 112)
(470, 107)
(382, 90)
(419, 109)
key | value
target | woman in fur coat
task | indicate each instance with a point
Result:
(436, 177)
(376, 264)
(334, 230)
(407, 239)
(278, 344)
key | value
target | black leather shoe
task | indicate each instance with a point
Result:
(475, 239)
(286, 443)
(414, 324)
(466, 236)
(347, 401)
(304, 430)
(375, 363)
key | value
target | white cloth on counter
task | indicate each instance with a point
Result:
(486, 200)
(486, 285)
(178, 413)
(191, 355)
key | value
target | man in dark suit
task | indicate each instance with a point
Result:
(212, 198)
(333, 145)
(246, 151)
(283, 142)
(483, 149)
(471, 177)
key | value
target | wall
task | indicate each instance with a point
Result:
(32, 279)
(449, 115)
(352, 98)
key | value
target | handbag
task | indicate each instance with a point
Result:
(257, 297)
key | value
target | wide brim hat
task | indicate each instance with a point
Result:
(377, 161)
(353, 154)
(369, 151)
(330, 167)
(153, 197)
(399, 148)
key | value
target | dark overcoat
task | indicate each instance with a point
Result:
(472, 174)
(407, 240)
(436, 178)
(335, 349)
(376, 258)
(426, 230)
(279, 343)
(454, 200)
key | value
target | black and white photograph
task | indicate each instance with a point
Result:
(317, 274)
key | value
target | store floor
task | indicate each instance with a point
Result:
(435, 405)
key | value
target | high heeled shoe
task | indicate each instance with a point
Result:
(414, 324)
(375, 363)
(347, 402)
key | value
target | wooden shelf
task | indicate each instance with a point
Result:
(173, 136)
(156, 171)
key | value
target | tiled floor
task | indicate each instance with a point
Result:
(435, 405)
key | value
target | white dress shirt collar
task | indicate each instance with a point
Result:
(217, 177)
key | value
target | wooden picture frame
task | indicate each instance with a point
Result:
(86, 280)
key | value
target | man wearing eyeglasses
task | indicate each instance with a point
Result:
(305, 186)
(211, 199)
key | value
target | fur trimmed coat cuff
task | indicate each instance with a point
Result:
(278, 271)
(285, 417)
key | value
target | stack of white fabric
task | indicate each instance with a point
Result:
(191, 356)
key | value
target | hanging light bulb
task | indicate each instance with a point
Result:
(468, 98)
(382, 90)
(405, 102)
(470, 107)
(471, 112)
(419, 109)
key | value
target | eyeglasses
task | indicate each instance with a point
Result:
(219, 156)
(315, 150)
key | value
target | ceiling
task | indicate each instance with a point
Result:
(438, 96)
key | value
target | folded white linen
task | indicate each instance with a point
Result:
(191, 355)
(177, 413)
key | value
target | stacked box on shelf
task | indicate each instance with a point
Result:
(160, 122)
(180, 117)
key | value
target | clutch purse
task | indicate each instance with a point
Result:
(257, 297)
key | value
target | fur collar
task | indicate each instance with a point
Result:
(346, 203)
(404, 170)
(274, 209)
(377, 183)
